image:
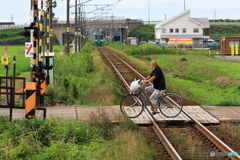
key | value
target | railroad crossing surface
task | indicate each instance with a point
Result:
(204, 114)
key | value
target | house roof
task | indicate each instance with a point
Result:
(201, 21)
(172, 18)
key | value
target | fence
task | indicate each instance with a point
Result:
(211, 46)
(225, 23)
(103, 20)
(3, 27)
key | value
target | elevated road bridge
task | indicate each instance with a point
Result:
(116, 28)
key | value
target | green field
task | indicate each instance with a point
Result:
(205, 80)
(193, 75)
(22, 63)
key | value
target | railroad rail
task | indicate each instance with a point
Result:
(117, 63)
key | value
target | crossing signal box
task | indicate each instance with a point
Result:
(36, 32)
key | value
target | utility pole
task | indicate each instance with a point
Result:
(79, 24)
(81, 28)
(50, 25)
(148, 11)
(68, 29)
(112, 36)
(84, 28)
(76, 28)
(184, 5)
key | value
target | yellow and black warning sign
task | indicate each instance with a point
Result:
(4, 61)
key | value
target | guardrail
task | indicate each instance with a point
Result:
(224, 23)
(3, 27)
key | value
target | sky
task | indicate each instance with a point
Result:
(153, 10)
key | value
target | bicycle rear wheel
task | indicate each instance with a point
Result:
(132, 105)
(170, 105)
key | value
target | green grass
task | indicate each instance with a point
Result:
(18, 50)
(206, 80)
(22, 62)
(72, 81)
(195, 76)
(12, 37)
(80, 78)
(105, 90)
(58, 48)
(74, 140)
(150, 49)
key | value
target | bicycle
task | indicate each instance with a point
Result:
(132, 105)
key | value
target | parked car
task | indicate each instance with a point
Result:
(151, 42)
(143, 42)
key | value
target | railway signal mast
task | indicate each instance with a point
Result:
(36, 89)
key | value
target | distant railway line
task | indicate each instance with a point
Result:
(126, 73)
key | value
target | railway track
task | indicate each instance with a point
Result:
(126, 73)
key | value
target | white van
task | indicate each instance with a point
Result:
(208, 41)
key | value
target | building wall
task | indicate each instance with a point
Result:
(226, 44)
(179, 23)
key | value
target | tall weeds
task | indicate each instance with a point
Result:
(73, 140)
(150, 49)
(72, 80)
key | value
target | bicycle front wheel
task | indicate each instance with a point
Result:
(170, 105)
(132, 105)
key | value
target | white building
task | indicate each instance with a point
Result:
(180, 27)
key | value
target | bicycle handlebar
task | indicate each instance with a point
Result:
(141, 82)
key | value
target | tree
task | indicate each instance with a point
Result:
(143, 32)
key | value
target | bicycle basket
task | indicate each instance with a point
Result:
(134, 86)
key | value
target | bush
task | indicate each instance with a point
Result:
(54, 139)
(71, 81)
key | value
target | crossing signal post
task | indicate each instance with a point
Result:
(37, 87)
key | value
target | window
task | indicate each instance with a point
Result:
(164, 30)
(195, 30)
(233, 42)
(176, 30)
(171, 30)
(184, 30)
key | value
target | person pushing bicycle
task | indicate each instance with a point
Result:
(159, 86)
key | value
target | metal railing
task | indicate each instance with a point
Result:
(224, 23)
(4, 27)
(97, 21)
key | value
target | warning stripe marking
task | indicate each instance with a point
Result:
(30, 101)
(29, 49)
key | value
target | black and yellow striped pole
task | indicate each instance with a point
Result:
(76, 28)
(40, 41)
(41, 52)
(49, 35)
(51, 5)
(48, 28)
(31, 87)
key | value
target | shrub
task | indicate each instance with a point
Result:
(72, 76)
(54, 139)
